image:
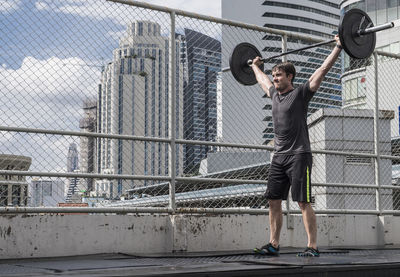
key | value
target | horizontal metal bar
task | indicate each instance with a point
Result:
(83, 175)
(217, 20)
(360, 186)
(387, 54)
(179, 141)
(80, 134)
(220, 180)
(337, 185)
(223, 144)
(298, 49)
(125, 210)
(375, 29)
(118, 210)
(167, 178)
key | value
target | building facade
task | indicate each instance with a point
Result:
(134, 100)
(200, 97)
(46, 193)
(359, 75)
(13, 188)
(316, 18)
(88, 123)
(72, 166)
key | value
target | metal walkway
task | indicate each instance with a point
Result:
(333, 262)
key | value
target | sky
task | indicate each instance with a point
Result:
(51, 54)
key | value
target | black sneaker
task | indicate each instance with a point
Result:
(268, 249)
(309, 252)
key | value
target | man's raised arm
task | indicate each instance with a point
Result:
(316, 79)
(261, 77)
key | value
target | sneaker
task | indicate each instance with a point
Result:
(268, 249)
(309, 252)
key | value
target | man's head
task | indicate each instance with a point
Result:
(283, 75)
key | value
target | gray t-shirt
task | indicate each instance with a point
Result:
(289, 113)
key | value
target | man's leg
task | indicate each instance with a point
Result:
(275, 221)
(310, 223)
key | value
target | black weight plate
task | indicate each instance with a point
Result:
(359, 47)
(242, 72)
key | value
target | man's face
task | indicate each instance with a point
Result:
(281, 80)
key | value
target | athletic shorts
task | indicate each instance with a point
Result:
(290, 170)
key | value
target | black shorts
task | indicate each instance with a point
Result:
(290, 170)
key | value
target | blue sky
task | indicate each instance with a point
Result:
(51, 53)
(43, 28)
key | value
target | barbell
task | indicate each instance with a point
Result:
(356, 34)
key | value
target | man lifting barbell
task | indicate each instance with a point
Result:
(292, 161)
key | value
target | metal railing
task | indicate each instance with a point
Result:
(331, 194)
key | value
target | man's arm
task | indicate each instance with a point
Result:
(316, 79)
(261, 77)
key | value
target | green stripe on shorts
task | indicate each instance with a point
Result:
(308, 184)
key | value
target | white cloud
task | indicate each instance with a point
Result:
(124, 14)
(205, 7)
(52, 76)
(44, 94)
(9, 5)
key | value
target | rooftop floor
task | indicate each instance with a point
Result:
(332, 262)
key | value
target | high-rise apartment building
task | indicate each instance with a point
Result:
(315, 18)
(72, 166)
(134, 100)
(14, 188)
(359, 77)
(72, 158)
(46, 193)
(88, 123)
(200, 98)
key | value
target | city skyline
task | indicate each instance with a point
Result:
(46, 61)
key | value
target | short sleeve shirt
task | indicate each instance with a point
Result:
(289, 113)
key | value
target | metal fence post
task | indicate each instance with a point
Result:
(284, 48)
(289, 217)
(172, 114)
(376, 140)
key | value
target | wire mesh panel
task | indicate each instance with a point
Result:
(92, 91)
(90, 66)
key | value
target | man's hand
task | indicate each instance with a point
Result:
(338, 41)
(257, 62)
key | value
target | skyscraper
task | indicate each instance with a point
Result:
(200, 99)
(316, 18)
(359, 78)
(72, 158)
(72, 166)
(88, 144)
(133, 100)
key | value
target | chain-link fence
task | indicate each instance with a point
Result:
(128, 107)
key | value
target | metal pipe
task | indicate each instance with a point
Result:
(375, 29)
(126, 210)
(284, 47)
(297, 50)
(172, 113)
(376, 140)
(216, 20)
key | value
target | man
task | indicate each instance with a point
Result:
(292, 160)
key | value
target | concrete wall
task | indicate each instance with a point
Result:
(24, 236)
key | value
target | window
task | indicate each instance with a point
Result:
(3, 195)
(381, 13)
(392, 10)
(140, 29)
(371, 10)
(354, 89)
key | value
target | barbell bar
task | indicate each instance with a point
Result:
(356, 34)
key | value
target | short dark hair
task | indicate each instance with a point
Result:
(286, 67)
